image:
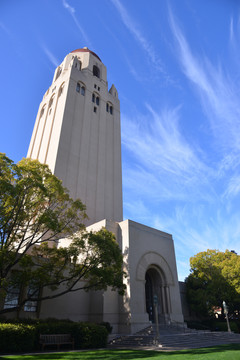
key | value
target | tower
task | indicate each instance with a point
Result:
(77, 133)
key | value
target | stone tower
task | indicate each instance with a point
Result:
(77, 133)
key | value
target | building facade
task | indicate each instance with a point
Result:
(77, 133)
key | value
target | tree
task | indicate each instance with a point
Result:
(214, 277)
(36, 212)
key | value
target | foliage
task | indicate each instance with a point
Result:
(107, 325)
(214, 325)
(86, 335)
(36, 212)
(17, 337)
(21, 337)
(214, 277)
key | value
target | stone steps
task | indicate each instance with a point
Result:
(175, 339)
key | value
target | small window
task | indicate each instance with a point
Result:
(95, 86)
(97, 100)
(98, 88)
(107, 107)
(83, 90)
(95, 109)
(93, 98)
(78, 87)
(96, 71)
(111, 109)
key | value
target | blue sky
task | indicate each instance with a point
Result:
(176, 65)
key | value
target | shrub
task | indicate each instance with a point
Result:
(23, 337)
(107, 326)
(17, 337)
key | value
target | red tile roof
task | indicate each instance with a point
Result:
(86, 50)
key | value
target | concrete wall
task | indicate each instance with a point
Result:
(82, 146)
(144, 247)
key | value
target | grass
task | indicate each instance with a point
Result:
(223, 352)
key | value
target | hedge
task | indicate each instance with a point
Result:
(17, 337)
(21, 337)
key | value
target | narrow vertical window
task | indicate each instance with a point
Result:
(97, 100)
(107, 107)
(83, 90)
(93, 98)
(95, 109)
(111, 110)
(78, 87)
(96, 71)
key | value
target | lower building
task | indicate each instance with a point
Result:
(150, 265)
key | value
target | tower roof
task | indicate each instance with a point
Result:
(85, 49)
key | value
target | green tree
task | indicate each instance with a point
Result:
(36, 212)
(214, 277)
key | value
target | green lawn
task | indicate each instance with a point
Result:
(225, 352)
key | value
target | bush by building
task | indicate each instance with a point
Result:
(16, 336)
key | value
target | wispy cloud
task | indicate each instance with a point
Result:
(137, 33)
(233, 187)
(50, 55)
(218, 91)
(72, 12)
(163, 158)
(197, 228)
(162, 146)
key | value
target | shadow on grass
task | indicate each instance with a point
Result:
(126, 354)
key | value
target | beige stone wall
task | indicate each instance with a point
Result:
(81, 146)
(144, 247)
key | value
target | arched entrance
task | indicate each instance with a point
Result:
(156, 290)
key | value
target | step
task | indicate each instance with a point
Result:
(181, 340)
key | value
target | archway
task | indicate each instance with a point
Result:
(156, 290)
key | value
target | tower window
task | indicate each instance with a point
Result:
(96, 71)
(95, 109)
(109, 108)
(97, 100)
(80, 89)
(93, 98)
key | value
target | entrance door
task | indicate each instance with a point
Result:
(149, 297)
(153, 291)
